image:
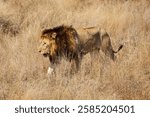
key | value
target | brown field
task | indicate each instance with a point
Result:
(23, 69)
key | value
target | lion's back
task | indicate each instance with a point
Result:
(87, 33)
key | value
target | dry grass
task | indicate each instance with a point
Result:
(23, 69)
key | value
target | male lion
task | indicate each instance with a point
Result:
(94, 38)
(65, 41)
(58, 42)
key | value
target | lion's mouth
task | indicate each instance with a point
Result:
(45, 54)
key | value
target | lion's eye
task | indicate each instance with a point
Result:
(44, 43)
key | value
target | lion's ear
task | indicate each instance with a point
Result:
(54, 34)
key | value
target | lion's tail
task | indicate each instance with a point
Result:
(120, 47)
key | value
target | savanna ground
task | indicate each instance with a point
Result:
(23, 69)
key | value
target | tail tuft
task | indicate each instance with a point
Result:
(120, 47)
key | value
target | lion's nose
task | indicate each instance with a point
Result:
(39, 50)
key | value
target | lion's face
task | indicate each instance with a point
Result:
(48, 45)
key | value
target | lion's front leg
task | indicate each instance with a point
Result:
(51, 70)
(75, 65)
(52, 66)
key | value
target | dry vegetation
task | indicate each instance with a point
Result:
(23, 69)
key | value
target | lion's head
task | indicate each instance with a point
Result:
(48, 46)
(58, 42)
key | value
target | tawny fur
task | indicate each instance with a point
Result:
(95, 39)
(65, 41)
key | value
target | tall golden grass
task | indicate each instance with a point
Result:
(23, 69)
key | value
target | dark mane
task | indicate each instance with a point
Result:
(57, 29)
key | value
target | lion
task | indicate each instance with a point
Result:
(73, 44)
(58, 42)
(95, 39)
